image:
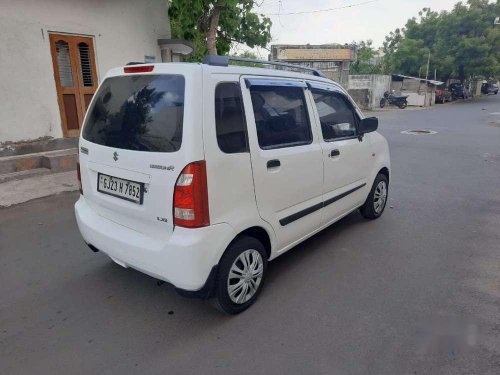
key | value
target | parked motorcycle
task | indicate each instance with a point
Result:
(390, 98)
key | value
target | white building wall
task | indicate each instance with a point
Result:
(419, 93)
(123, 31)
(380, 84)
(368, 89)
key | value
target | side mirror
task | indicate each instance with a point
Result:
(368, 125)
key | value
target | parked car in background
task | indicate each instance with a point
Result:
(489, 88)
(203, 199)
(443, 95)
(459, 91)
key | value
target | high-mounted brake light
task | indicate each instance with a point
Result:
(138, 69)
(79, 176)
(191, 197)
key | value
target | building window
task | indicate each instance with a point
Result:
(64, 64)
(85, 64)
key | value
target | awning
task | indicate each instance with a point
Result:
(431, 81)
(177, 46)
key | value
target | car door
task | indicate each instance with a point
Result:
(346, 156)
(286, 157)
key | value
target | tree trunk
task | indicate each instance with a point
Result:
(461, 73)
(212, 29)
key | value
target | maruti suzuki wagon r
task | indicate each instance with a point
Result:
(200, 174)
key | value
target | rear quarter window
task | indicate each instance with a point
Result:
(230, 121)
(138, 112)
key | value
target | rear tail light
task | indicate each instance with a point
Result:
(191, 197)
(79, 175)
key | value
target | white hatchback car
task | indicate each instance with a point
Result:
(199, 174)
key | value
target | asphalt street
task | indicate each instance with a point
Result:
(415, 292)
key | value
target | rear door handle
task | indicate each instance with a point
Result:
(334, 153)
(273, 163)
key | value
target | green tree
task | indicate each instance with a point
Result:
(212, 25)
(392, 40)
(364, 64)
(463, 42)
(390, 46)
(410, 58)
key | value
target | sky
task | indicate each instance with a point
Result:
(371, 20)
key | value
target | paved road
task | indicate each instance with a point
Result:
(416, 292)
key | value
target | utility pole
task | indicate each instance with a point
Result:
(427, 77)
(428, 63)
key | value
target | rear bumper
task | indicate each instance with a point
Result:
(185, 260)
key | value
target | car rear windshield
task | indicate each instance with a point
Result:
(140, 112)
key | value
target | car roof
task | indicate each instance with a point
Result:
(258, 71)
(162, 68)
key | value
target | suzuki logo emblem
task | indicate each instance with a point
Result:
(115, 156)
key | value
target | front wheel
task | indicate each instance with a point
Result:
(240, 276)
(382, 102)
(403, 105)
(375, 203)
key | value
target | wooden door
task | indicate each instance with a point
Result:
(75, 74)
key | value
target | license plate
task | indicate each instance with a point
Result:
(120, 188)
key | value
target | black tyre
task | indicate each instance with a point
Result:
(382, 102)
(240, 276)
(403, 105)
(377, 199)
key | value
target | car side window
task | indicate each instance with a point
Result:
(230, 124)
(337, 116)
(281, 116)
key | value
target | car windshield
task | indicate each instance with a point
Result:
(141, 112)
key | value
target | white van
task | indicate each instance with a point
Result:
(199, 174)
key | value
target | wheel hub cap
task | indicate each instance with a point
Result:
(380, 197)
(245, 276)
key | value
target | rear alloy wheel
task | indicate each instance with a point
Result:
(403, 105)
(382, 103)
(241, 274)
(377, 199)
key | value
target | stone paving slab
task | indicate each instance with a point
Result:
(15, 192)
